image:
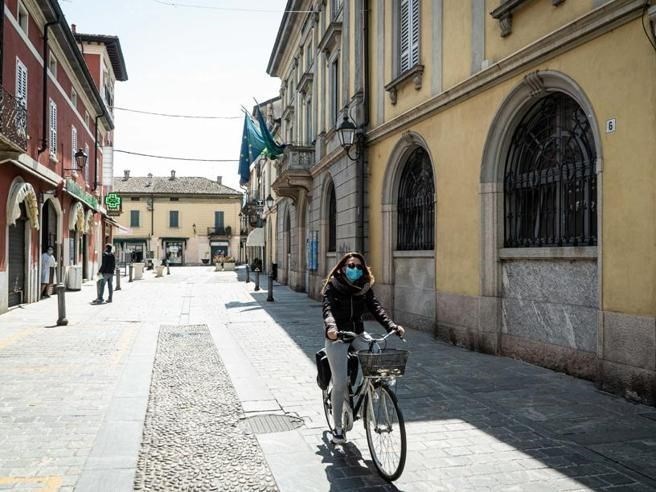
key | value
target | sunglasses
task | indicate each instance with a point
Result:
(353, 265)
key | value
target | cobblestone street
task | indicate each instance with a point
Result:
(125, 397)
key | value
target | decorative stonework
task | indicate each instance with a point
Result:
(22, 192)
(331, 38)
(415, 74)
(503, 13)
(535, 84)
(652, 18)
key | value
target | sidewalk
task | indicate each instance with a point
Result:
(73, 399)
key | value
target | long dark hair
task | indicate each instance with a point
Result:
(367, 276)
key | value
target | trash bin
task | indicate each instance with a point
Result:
(138, 270)
(74, 277)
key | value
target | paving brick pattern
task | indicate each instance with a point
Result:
(192, 439)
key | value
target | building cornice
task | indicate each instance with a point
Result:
(587, 27)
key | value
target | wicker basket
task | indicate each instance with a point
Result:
(391, 362)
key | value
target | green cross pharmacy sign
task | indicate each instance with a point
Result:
(114, 204)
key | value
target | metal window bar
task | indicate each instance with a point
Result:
(416, 204)
(550, 184)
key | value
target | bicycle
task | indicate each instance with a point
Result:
(375, 400)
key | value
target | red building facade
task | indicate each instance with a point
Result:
(56, 96)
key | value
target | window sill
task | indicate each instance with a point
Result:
(417, 253)
(566, 253)
(415, 74)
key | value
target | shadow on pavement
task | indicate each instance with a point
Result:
(475, 410)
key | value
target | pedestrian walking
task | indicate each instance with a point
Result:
(47, 262)
(106, 274)
(347, 294)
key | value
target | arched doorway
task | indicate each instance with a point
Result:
(409, 234)
(51, 235)
(540, 206)
(17, 259)
(287, 234)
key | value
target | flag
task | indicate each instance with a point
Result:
(272, 148)
(252, 145)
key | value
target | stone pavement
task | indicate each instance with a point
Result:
(73, 399)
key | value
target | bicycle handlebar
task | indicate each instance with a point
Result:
(350, 335)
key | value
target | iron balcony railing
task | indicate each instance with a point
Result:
(219, 231)
(13, 121)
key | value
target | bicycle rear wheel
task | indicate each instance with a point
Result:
(385, 427)
(328, 406)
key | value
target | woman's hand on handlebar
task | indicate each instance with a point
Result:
(400, 331)
(332, 334)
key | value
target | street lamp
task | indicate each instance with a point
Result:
(269, 202)
(81, 158)
(348, 136)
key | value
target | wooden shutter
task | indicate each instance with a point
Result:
(86, 168)
(404, 36)
(53, 129)
(414, 38)
(21, 83)
(73, 147)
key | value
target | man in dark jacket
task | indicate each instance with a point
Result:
(106, 274)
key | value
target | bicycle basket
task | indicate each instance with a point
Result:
(390, 362)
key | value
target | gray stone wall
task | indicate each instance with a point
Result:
(551, 301)
(414, 292)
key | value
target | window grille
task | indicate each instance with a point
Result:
(550, 185)
(416, 204)
(332, 220)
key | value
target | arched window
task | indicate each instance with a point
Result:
(332, 219)
(550, 185)
(416, 209)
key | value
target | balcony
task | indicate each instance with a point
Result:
(219, 232)
(13, 123)
(294, 171)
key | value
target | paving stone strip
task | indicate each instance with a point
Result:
(192, 439)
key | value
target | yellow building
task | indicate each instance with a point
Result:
(188, 220)
(511, 187)
(508, 153)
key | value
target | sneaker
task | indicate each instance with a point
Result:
(338, 437)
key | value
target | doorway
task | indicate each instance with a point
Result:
(17, 258)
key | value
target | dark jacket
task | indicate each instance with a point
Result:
(344, 304)
(108, 264)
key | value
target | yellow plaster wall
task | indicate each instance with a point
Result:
(530, 22)
(456, 35)
(615, 71)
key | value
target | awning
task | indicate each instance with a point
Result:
(113, 223)
(255, 237)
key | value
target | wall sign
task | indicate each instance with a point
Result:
(611, 125)
(114, 204)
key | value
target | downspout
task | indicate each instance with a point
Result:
(44, 126)
(2, 41)
(365, 124)
(95, 150)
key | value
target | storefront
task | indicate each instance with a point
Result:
(174, 250)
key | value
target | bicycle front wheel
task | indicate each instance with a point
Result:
(385, 427)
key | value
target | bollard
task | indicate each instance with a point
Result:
(118, 279)
(130, 268)
(168, 268)
(270, 293)
(61, 305)
(248, 276)
(257, 279)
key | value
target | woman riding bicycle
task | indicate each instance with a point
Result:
(347, 294)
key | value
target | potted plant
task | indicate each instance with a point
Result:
(229, 263)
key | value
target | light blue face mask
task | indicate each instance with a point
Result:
(353, 274)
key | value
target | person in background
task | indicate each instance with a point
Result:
(106, 274)
(347, 294)
(47, 262)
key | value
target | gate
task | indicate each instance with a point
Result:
(17, 263)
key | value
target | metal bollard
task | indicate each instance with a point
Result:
(257, 279)
(248, 274)
(61, 305)
(118, 279)
(270, 293)
(130, 269)
(168, 268)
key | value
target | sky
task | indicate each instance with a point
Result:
(187, 61)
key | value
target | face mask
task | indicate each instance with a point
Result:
(353, 274)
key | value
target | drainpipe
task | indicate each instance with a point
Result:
(365, 124)
(44, 138)
(95, 150)
(2, 41)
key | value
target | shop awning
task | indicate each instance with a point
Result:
(113, 223)
(255, 237)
